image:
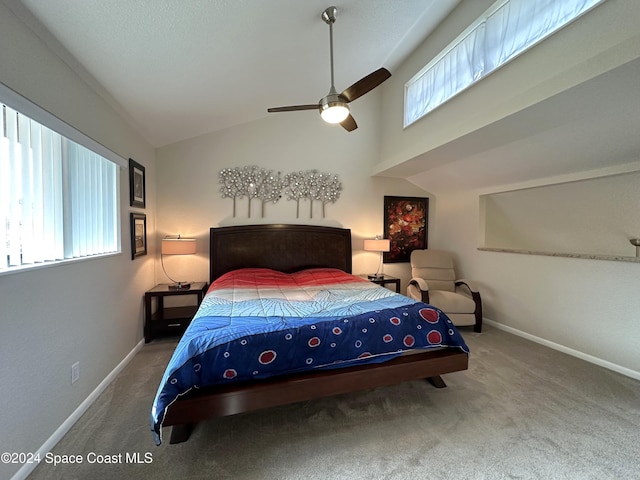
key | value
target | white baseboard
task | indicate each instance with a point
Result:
(569, 351)
(60, 432)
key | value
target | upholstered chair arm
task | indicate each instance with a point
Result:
(475, 295)
(473, 288)
(421, 283)
(420, 288)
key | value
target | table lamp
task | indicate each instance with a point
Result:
(377, 245)
(176, 245)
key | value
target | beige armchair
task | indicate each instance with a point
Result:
(434, 282)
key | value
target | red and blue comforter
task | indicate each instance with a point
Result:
(257, 323)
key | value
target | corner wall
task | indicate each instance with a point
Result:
(590, 306)
(88, 311)
(587, 306)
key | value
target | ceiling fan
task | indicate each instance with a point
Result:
(334, 108)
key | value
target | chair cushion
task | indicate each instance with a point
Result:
(450, 302)
(436, 267)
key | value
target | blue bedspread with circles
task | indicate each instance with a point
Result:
(258, 323)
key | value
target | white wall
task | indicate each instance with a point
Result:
(92, 311)
(591, 306)
(189, 201)
(88, 311)
(588, 306)
(595, 216)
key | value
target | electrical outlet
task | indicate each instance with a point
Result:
(75, 372)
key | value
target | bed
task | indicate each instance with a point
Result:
(285, 321)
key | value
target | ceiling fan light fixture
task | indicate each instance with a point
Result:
(334, 112)
(334, 108)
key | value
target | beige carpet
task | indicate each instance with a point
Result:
(521, 411)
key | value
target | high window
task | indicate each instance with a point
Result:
(58, 198)
(505, 30)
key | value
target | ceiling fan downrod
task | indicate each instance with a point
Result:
(329, 17)
(333, 108)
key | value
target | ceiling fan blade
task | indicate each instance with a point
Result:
(349, 124)
(366, 84)
(293, 108)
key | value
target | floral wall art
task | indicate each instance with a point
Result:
(405, 225)
(266, 186)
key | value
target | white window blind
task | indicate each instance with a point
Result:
(58, 199)
(504, 31)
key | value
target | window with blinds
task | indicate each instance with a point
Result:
(58, 199)
(503, 32)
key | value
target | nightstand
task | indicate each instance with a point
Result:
(384, 280)
(170, 320)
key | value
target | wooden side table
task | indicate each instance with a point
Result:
(170, 320)
(387, 279)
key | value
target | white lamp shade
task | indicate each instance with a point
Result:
(335, 113)
(378, 245)
(178, 246)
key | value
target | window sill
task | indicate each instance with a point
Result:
(614, 258)
(39, 266)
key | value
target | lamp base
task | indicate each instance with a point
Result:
(180, 286)
(376, 276)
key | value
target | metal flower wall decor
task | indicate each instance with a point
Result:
(254, 182)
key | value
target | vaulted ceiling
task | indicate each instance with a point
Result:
(178, 69)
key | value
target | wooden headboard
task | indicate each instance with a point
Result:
(286, 248)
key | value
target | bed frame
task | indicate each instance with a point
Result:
(289, 248)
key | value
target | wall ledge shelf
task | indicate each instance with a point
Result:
(614, 258)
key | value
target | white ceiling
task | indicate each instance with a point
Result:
(178, 69)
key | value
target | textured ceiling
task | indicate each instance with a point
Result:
(178, 69)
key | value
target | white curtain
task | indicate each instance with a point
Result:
(91, 195)
(30, 187)
(57, 198)
(459, 67)
(520, 24)
(505, 30)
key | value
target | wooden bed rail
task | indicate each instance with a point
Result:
(246, 397)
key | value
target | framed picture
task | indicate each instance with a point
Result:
(137, 187)
(405, 225)
(138, 235)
